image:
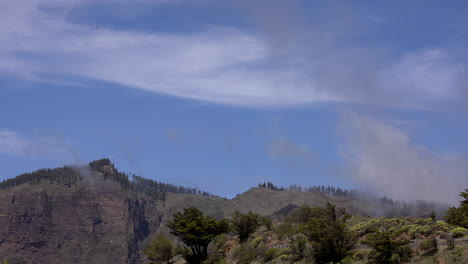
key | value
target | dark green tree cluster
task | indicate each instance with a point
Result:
(270, 186)
(386, 249)
(459, 215)
(97, 165)
(158, 189)
(66, 176)
(302, 214)
(70, 175)
(245, 224)
(329, 235)
(330, 190)
(108, 171)
(196, 231)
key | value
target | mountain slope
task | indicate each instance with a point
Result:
(94, 220)
(96, 214)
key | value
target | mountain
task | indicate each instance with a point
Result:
(96, 214)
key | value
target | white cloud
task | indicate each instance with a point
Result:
(428, 75)
(16, 143)
(11, 142)
(385, 159)
(218, 64)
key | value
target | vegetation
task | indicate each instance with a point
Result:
(270, 186)
(429, 247)
(70, 175)
(386, 249)
(459, 215)
(158, 189)
(196, 231)
(66, 176)
(382, 206)
(160, 250)
(329, 235)
(244, 225)
(306, 235)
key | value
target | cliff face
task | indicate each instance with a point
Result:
(95, 222)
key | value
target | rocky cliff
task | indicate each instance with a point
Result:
(95, 220)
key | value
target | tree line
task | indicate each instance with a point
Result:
(382, 205)
(70, 175)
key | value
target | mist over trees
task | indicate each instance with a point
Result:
(382, 205)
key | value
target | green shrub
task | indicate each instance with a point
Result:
(247, 252)
(244, 253)
(219, 243)
(270, 255)
(299, 247)
(361, 254)
(284, 257)
(459, 232)
(284, 230)
(266, 221)
(160, 249)
(386, 249)
(429, 246)
(257, 241)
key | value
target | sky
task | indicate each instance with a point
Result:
(223, 94)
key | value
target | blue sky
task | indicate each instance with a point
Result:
(221, 95)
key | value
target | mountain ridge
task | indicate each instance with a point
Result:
(94, 213)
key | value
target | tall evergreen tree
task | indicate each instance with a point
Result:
(459, 215)
(329, 235)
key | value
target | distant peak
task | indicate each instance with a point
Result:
(96, 165)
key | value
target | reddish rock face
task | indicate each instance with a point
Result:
(50, 223)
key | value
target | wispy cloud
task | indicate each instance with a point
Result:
(224, 65)
(16, 143)
(384, 158)
(11, 142)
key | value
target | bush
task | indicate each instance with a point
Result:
(429, 246)
(266, 221)
(256, 242)
(284, 230)
(160, 249)
(299, 247)
(247, 252)
(459, 232)
(270, 255)
(361, 254)
(218, 243)
(386, 249)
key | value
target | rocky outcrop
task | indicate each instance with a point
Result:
(82, 224)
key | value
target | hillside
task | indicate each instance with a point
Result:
(97, 214)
